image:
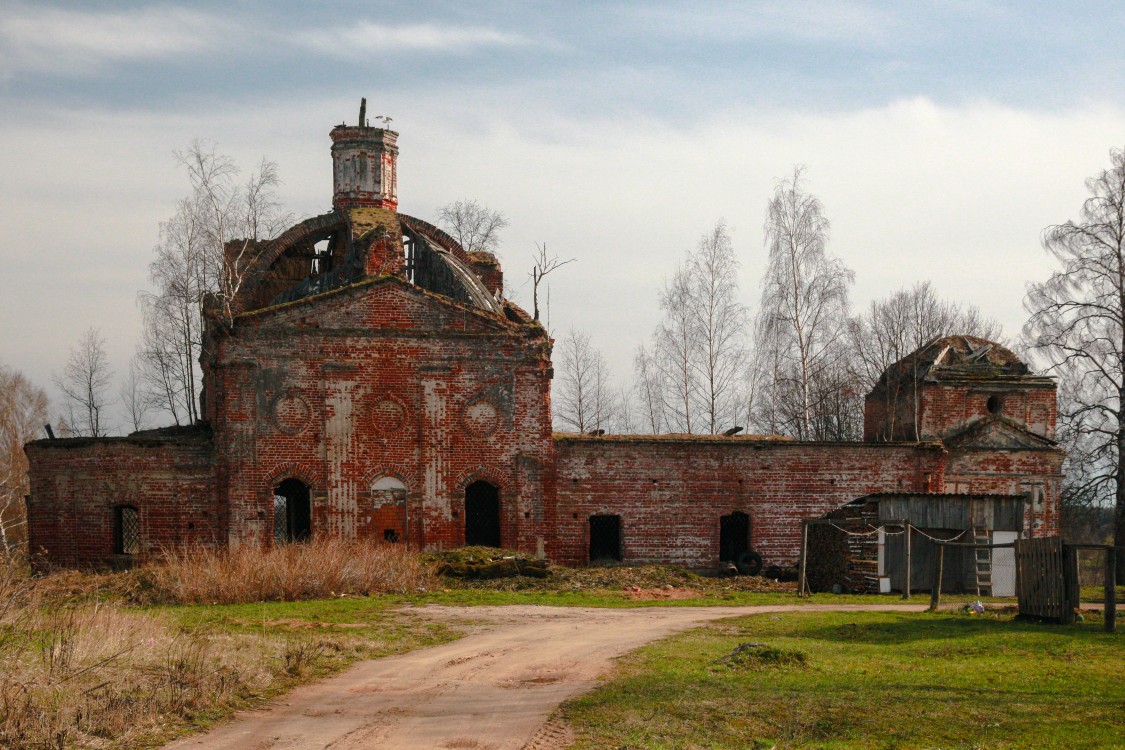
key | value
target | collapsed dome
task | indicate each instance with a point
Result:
(364, 237)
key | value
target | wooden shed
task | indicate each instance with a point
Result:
(862, 546)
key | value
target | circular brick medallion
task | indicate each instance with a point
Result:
(481, 418)
(291, 413)
(388, 415)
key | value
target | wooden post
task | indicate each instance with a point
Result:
(802, 585)
(906, 585)
(1071, 595)
(1110, 589)
(935, 595)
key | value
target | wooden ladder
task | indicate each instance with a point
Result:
(982, 559)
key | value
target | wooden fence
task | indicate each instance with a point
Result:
(1047, 579)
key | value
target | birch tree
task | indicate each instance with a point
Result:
(85, 381)
(648, 385)
(690, 379)
(674, 345)
(204, 251)
(1077, 323)
(23, 413)
(585, 400)
(802, 322)
(721, 321)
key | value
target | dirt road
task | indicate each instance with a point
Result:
(491, 690)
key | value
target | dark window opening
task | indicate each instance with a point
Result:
(126, 530)
(482, 515)
(605, 538)
(995, 404)
(390, 535)
(292, 512)
(734, 536)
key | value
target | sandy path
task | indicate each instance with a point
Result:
(491, 690)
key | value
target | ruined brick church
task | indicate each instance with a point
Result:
(370, 380)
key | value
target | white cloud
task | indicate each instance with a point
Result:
(365, 39)
(915, 190)
(818, 21)
(78, 43)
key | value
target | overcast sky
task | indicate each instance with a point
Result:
(941, 137)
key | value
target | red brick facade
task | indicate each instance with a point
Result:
(389, 392)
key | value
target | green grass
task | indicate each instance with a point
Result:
(864, 680)
(355, 627)
(471, 597)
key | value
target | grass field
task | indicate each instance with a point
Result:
(129, 659)
(870, 680)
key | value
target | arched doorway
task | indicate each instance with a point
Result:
(734, 536)
(292, 512)
(482, 514)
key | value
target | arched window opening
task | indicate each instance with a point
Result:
(292, 512)
(126, 530)
(388, 509)
(734, 536)
(605, 538)
(482, 515)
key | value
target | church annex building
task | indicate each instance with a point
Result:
(370, 380)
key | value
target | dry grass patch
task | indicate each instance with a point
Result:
(97, 675)
(319, 569)
(80, 668)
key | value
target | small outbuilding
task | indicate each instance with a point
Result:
(865, 546)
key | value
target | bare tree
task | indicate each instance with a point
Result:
(803, 318)
(235, 217)
(84, 383)
(674, 346)
(474, 226)
(1085, 497)
(134, 398)
(186, 267)
(23, 412)
(1077, 324)
(649, 387)
(543, 264)
(898, 326)
(690, 380)
(721, 321)
(625, 400)
(584, 401)
(204, 250)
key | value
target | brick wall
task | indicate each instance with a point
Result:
(388, 381)
(948, 407)
(77, 482)
(670, 492)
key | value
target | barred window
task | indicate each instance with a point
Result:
(126, 530)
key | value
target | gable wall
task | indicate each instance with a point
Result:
(388, 382)
(949, 407)
(1037, 473)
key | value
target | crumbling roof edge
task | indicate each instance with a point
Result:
(948, 495)
(572, 437)
(488, 315)
(148, 438)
